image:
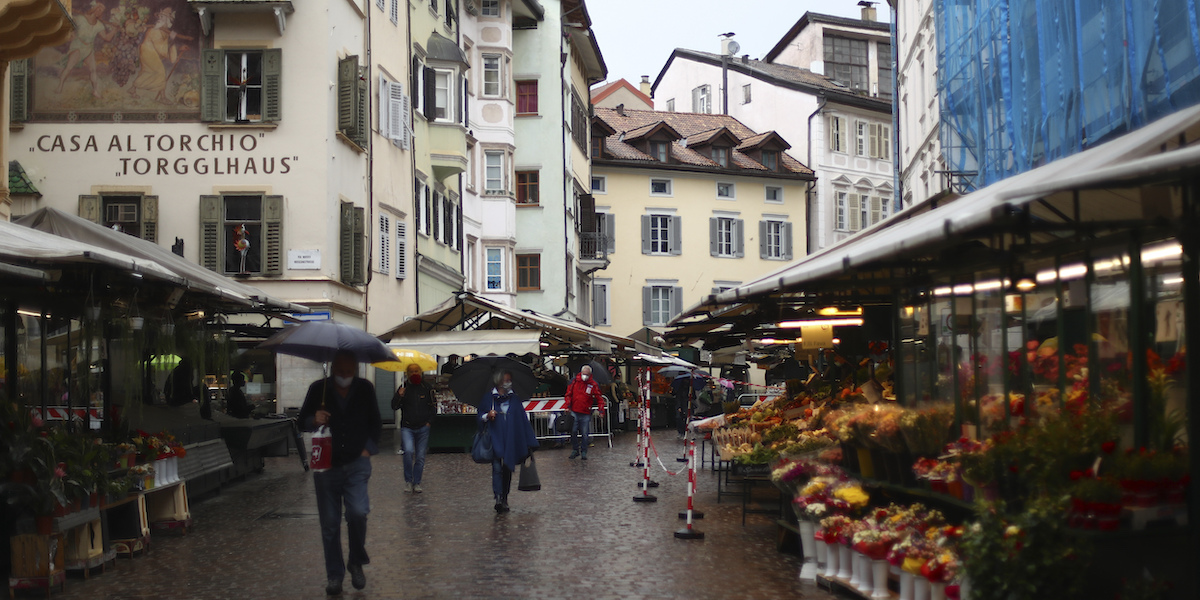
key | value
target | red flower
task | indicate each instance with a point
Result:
(1075, 475)
(1108, 447)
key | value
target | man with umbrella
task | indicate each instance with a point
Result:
(583, 396)
(346, 404)
(417, 405)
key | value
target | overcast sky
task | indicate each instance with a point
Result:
(637, 36)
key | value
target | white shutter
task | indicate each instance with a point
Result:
(396, 123)
(401, 250)
(384, 262)
(876, 203)
(885, 142)
(855, 212)
(874, 153)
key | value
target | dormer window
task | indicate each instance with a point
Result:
(720, 155)
(658, 150)
(597, 146)
(770, 160)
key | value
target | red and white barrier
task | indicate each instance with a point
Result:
(688, 532)
(546, 405)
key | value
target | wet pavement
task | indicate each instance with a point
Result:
(581, 536)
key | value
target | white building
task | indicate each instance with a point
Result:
(840, 123)
(920, 162)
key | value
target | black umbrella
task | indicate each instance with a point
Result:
(475, 379)
(599, 373)
(322, 340)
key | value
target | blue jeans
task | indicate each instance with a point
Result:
(345, 484)
(501, 480)
(416, 444)
(582, 428)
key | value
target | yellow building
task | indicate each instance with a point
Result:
(689, 204)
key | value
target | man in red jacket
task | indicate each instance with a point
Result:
(583, 394)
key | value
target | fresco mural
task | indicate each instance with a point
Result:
(128, 60)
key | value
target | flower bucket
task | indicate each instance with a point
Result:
(865, 465)
(831, 559)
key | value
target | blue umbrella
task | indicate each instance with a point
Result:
(322, 340)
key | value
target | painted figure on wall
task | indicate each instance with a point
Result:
(134, 60)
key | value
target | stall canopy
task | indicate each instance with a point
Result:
(23, 249)
(1097, 191)
(82, 236)
(463, 343)
(467, 311)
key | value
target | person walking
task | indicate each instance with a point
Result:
(417, 405)
(346, 404)
(583, 395)
(513, 438)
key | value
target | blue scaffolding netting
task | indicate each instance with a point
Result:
(1024, 82)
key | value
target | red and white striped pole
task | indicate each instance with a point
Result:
(637, 457)
(688, 532)
(646, 496)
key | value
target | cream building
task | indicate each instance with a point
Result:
(622, 93)
(690, 204)
(920, 162)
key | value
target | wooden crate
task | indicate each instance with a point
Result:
(84, 543)
(168, 504)
(35, 555)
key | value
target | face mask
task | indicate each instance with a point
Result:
(506, 386)
(415, 379)
(584, 376)
(343, 382)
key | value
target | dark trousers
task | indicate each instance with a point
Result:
(501, 480)
(346, 485)
(681, 414)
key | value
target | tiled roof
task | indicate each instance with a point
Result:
(777, 71)
(18, 181)
(757, 140)
(688, 125)
(705, 136)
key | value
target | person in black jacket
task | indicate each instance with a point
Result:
(414, 398)
(237, 405)
(346, 405)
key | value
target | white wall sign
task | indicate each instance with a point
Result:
(302, 260)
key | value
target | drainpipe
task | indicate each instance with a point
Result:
(567, 190)
(897, 185)
(415, 274)
(808, 201)
(369, 225)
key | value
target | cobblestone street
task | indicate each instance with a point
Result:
(581, 536)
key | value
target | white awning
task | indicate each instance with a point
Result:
(463, 343)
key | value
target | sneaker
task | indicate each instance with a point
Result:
(408, 486)
(416, 488)
(357, 578)
(574, 454)
(333, 587)
(584, 457)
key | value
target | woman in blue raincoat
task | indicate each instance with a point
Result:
(513, 438)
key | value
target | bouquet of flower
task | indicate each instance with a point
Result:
(887, 433)
(927, 430)
(833, 528)
(853, 495)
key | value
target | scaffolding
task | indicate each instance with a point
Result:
(1024, 82)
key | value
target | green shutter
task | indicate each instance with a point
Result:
(346, 242)
(430, 98)
(347, 95)
(714, 231)
(150, 218)
(362, 124)
(22, 71)
(359, 240)
(89, 208)
(212, 86)
(272, 84)
(210, 232)
(272, 235)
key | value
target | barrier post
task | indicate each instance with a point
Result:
(645, 496)
(688, 532)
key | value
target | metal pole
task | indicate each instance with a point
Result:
(1137, 344)
(44, 378)
(1189, 238)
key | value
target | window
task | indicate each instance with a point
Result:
(839, 211)
(599, 184)
(880, 141)
(579, 122)
(401, 249)
(495, 269)
(837, 134)
(436, 222)
(659, 151)
(443, 95)
(864, 206)
(240, 86)
(527, 97)
(527, 187)
(746, 94)
(600, 304)
(493, 176)
(491, 75)
(133, 215)
(449, 223)
(422, 200)
(395, 114)
(775, 239)
(702, 99)
(846, 62)
(383, 261)
(606, 224)
(597, 146)
(490, 8)
(661, 234)
(471, 162)
(671, 105)
(862, 137)
(774, 194)
(529, 272)
(770, 159)
(394, 13)
(883, 207)
(242, 234)
(725, 237)
(720, 155)
(660, 187)
(352, 101)
(725, 190)
(883, 58)
(660, 304)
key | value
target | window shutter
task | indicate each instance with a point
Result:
(272, 236)
(646, 290)
(347, 95)
(885, 142)
(714, 232)
(458, 227)
(876, 206)
(384, 262)
(739, 238)
(394, 13)
(383, 110)
(362, 119)
(360, 260)
(406, 123)
(762, 239)
(346, 243)
(150, 218)
(646, 234)
(675, 242)
(676, 301)
(430, 99)
(397, 123)
(212, 86)
(610, 235)
(786, 234)
(210, 232)
(599, 304)
(415, 83)
(89, 208)
(430, 218)
(874, 135)
(272, 77)
(841, 130)
(21, 71)
(401, 250)
(466, 101)
(855, 212)
(418, 219)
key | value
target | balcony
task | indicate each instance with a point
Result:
(593, 251)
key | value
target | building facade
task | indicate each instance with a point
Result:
(622, 93)
(689, 204)
(555, 61)
(920, 165)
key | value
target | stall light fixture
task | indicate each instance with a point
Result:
(544, 344)
(990, 285)
(963, 289)
(833, 311)
(1026, 284)
(819, 322)
(943, 291)
(1171, 281)
(837, 340)
(1156, 253)
(773, 341)
(1068, 272)
(909, 311)
(29, 313)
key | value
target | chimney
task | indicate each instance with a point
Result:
(621, 109)
(644, 86)
(817, 66)
(868, 10)
(745, 59)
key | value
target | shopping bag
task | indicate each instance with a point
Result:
(529, 481)
(481, 445)
(321, 456)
